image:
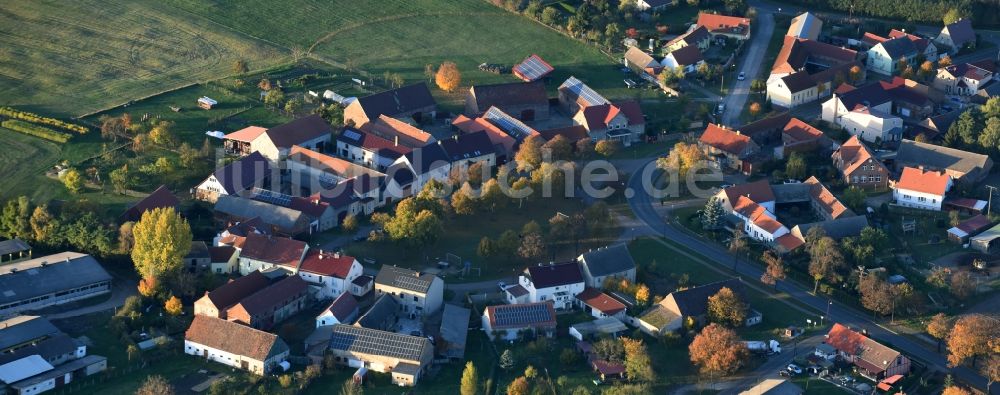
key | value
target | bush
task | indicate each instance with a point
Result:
(35, 118)
(35, 130)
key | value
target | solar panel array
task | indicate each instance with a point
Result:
(582, 91)
(509, 124)
(412, 283)
(521, 314)
(533, 68)
(272, 197)
(376, 342)
(352, 134)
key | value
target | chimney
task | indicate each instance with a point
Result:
(336, 254)
(395, 141)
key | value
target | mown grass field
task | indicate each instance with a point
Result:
(71, 58)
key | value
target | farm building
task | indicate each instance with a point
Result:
(236, 345)
(51, 280)
(206, 102)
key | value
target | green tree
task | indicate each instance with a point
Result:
(462, 200)
(351, 388)
(122, 179)
(162, 239)
(966, 127)
(990, 137)
(507, 360)
(712, 214)
(274, 98)
(72, 180)
(550, 16)
(415, 222)
(155, 385)
(638, 365)
(854, 198)
(470, 380)
(795, 168)
(486, 248)
(952, 16)
(508, 244)
(825, 261)
(293, 106)
(350, 223)
(607, 148)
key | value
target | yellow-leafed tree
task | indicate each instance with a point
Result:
(162, 239)
(448, 77)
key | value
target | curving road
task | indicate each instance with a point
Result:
(641, 204)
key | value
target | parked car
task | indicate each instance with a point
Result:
(721, 109)
(794, 369)
(741, 77)
(502, 285)
(784, 373)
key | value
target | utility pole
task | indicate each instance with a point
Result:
(989, 203)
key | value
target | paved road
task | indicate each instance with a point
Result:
(642, 205)
(753, 56)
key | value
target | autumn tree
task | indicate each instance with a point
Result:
(448, 77)
(173, 306)
(717, 350)
(155, 385)
(795, 168)
(681, 159)
(559, 148)
(775, 270)
(416, 221)
(876, 294)
(825, 261)
(532, 247)
(727, 308)
(519, 386)
(754, 109)
(638, 365)
(72, 180)
(642, 295)
(470, 380)
(44, 226)
(607, 148)
(350, 387)
(939, 327)
(122, 179)
(610, 350)
(926, 70)
(529, 154)
(972, 336)
(944, 61)
(462, 200)
(162, 239)
(951, 16)
(240, 66)
(955, 390)
(855, 74)
(491, 196)
(148, 287)
(962, 285)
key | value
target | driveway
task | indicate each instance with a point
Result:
(752, 59)
(642, 205)
(122, 290)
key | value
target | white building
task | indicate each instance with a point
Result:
(688, 58)
(558, 283)
(408, 174)
(236, 345)
(758, 222)
(884, 58)
(865, 112)
(418, 294)
(921, 189)
(329, 274)
(509, 321)
(343, 310)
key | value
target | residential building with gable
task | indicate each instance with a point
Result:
(921, 189)
(235, 345)
(418, 294)
(558, 283)
(606, 262)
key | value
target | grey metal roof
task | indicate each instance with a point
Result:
(24, 328)
(899, 47)
(382, 312)
(404, 278)
(48, 274)
(836, 228)
(913, 153)
(608, 260)
(58, 344)
(376, 342)
(60, 370)
(521, 315)
(12, 246)
(406, 368)
(455, 329)
(282, 217)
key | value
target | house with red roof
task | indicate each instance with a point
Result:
(262, 252)
(921, 189)
(329, 274)
(805, 71)
(798, 136)
(865, 111)
(725, 26)
(758, 223)
(872, 359)
(271, 305)
(312, 132)
(759, 192)
(859, 166)
(621, 121)
(600, 304)
(728, 149)
(368, 149)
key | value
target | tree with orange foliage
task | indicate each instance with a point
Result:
(953, 390)
(939, 327)
(944, 61)
(519, 386)
(971, 336)
(448, 77)
(727, 308)
(754, 109)
(642, 294)
(718, 350)
(147, 287)
(775, 269)
(855, 74)
(173, 306)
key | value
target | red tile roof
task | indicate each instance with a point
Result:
(232, 292)
(826, 199)
(796, 52)
(854, 153)
(789, 242)
(246, 134)
(632, 111)
(724, 23)
(599, 116)
(869, 354)
(273, 249)
(758, 191)
(234, 338)
(932, 182)
(327, 264)
(801, 131)
(600, 301)
(725, 139)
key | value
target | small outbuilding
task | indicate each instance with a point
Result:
(206, 102)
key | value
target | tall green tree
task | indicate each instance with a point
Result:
(123, 179)
(162, 239)
(711, 215)
(825, 261)
(795, 168)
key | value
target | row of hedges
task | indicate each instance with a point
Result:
(35, 118)
(35, 130)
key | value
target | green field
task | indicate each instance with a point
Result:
(71, 58)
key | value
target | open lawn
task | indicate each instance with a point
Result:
(462, 235)
(74, 58)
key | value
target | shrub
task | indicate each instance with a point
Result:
(37, 131)
(35, 118)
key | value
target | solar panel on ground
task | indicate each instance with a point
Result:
(272, 197)
(376, 342)
(521, 314)
(509, 124)
(533, 68)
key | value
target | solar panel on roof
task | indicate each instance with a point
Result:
(267, 196)
(351, 134)
(513, 315)
(411, 283)
(533, 68)
(509, 124)
(376, 342)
